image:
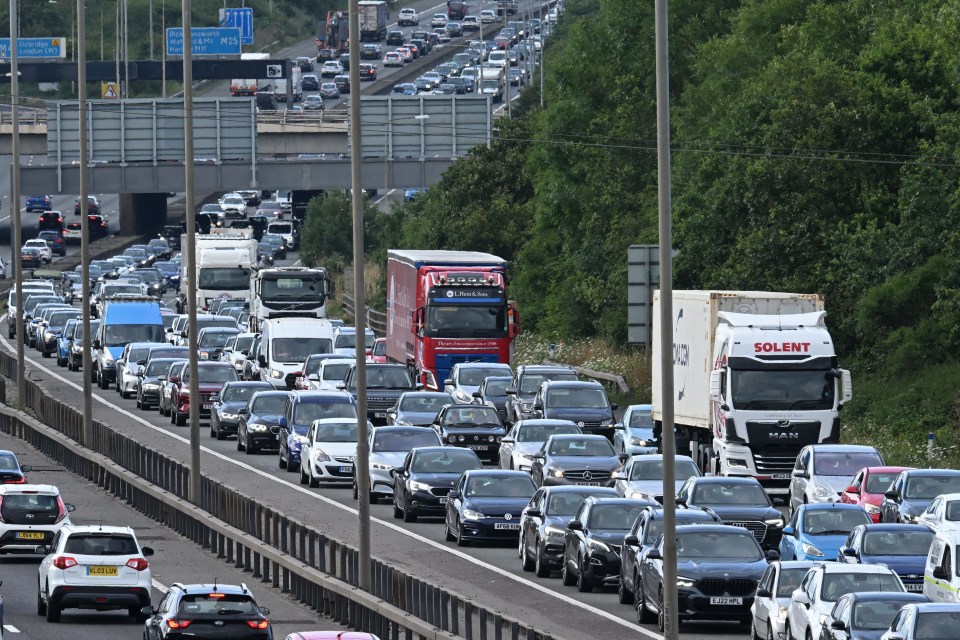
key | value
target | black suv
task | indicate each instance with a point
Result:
(738, 501)
(212, 611)
(582, 402)
(385, 384)
(526, 383)
(171, 233)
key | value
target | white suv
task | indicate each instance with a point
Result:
(94, 567)
(30, 515)
(823, 471)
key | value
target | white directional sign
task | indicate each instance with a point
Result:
(35, 48)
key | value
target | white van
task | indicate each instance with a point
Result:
(941, 576)
(285, 345)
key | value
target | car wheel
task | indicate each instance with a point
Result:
(769, 631)
(250, 449)
(220, 434)
(409, 515)
(461, 541)
(180, 419)
(45, 353)
(240, 446)
(644, 615)
(526, 562)
(398, 513)
(281, 462)
(213, 432)
(540, 568)
(304, 479)
(53, 611)
(447, 533)
(753, 629)
(41, 605)
(314, 482)
(661, 615)
(566, 577)
(584, 585)
(624, 596)
(373, 498)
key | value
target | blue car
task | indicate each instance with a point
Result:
(634, 434)
(65, 339)
(817, 531)
(299, 412)
(902, 547)
(170, 271)
(486, 505)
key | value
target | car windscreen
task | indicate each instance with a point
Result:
(268, 405)
(717, 547)
(445, 462)
(121, 334)
(157, 367)
(833, 522)
(828, 463)
(101, 544)
(307, 412)
(641, 420)
(404, 440)
(565, 503)
(239, 393)
(897, 543)
(474, 376)
(296, 350)
(614, 517)
(540, 432)
(840, 584)
(136, 355)
(880, 482)
(580, 447)
(723, 493)
(499, 487)
(496, 388)
(388, 378)
(212, 375)
(653, 470)
(936, 625)
(790, 580)
(472, 416)
(577, 398)
(336, 371)
(655, 526)
(60, 318)
(922, 487)
(215, 338)
(115, 289)
(337, 432)
(243, 343)
(425, 404)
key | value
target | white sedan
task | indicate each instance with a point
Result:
(46, 255)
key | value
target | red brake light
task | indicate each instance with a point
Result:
(138, 563)
(61, 509)
(173, 623)
(216, 596)
(258, 624)
(20, 480)
(64, 562)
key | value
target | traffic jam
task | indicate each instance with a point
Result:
(780, 527)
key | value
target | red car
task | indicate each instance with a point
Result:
(868, 486)
(212, 377)
(379, 351)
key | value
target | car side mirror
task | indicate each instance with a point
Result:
(800, 473)
(850, 552)
(801, 598)
(851, 489)
(478, 395)
(265, 611)
(764, 593)
(262, 360)
(175, 379)
(632, 541)
(654, 554)
(839, 625)
(282, 422)
(511, 391)
(215, 398)
(614, 406)
(508, 440)
(70, 507)
(96, 344)
(772, 555)
(147, 551)
(147, 611)
(575, 525)
(42, 550)
(534, 513)
(538, 406)
(26, 468)
(453, 495)
(619, 425)
(448, 382)
(618, 475)
(788, 531)
(681, 502)
(313, 377)
(940, 574)
(244, 412)
(893, 494)
(341, 386)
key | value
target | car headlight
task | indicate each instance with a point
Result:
(204, 355)
(151, 387)
(597, 545)
(871, 509)
(107, 358)
(909, 518)
(774, 522)
(683, 581)
(782, 614)
(275, 373)
(556, 473)
(470, 514)
(821, 491)
(638, 442)
(381, 466)
(230, 416)
(299, 439)
(737, 462)
(526, 406)
(554, 531)
(523, 456)
(256, 427)
(452, 439)
(419, 486)
(48, 336)
(460, 396)
(811, 550)
(320, 456)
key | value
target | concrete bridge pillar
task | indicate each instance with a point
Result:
(142, 213)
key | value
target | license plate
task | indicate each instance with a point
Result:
(30, 535)
(100, 570)
(346, 469)
(477, 447)
(207, 405)
(780, 476)
(588, 484)
(380, 414)
(507, 525)
(914, 587)
(442, 500)
(726, 600)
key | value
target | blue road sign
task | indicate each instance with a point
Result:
(35, 47)
(241, 19)
(207, 41)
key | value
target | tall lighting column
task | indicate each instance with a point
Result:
(195, 494)
(664, 210)
(362, 465)
(84, 221)
(15, 201)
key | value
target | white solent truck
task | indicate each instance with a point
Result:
(288, 292)
(224, 264)
(755, 379)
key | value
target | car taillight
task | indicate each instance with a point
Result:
(1, 509)
(20, 480)
(61, 509)
(138, 563)
(173, 623)
(64, 562)
(258, 624)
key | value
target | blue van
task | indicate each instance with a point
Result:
(299, 412)
(124, 321)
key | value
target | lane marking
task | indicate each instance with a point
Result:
(329, 501)
(159, 586)
(11, 628)
(385, 196)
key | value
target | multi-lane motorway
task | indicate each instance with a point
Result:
(488, 575)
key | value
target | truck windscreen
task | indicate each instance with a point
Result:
(292, 290)
(466, 320)
(121, 334)
(782, 390)
(226, 278)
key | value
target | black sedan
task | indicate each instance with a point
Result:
(865, 616)
(486, 505)
(260, 422)
(151, 380)
(227, 405)
(740, 501)
(422, 484)
(473, 427)
(277, 242)
(575, 459)
(718, 568)
(544, 522)
(591, 543)
(11, 471)
(913, 491)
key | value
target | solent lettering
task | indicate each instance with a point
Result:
(781, 347)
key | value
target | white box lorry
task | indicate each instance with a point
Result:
(755, 379)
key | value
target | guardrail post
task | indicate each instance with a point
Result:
(468, 619)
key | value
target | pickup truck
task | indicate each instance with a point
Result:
(408, 17)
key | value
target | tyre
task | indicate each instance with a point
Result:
(566, 577)
(446, 533)
(373, 498)
(409, 515)
(250, 449)
(398, 513)
(644, 615)
(461, 541)
(624, 596)
(661, 615)
(281, 462)
(540, 569)
(138, 617)
(584, 584)
(240, 445)
(213, 433)
(314, 482)
(304, 479)
(53, 612)
(181, 419)
(526, 562)
(41, 605)
(45, 353)
(220, 434)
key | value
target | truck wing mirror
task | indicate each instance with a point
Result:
(715, 390)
